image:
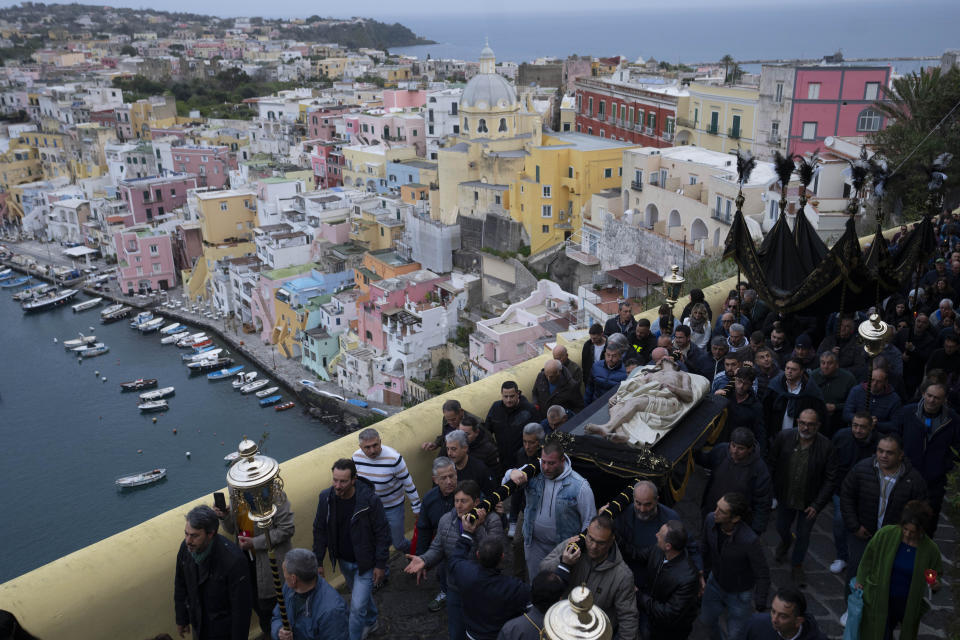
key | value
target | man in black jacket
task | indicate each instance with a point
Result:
(850, 446)
(506, 419)
(592, 351)
(804, 475)
(788, 394)
(211, 594)
(555, 385)
(437, 501)
(642, 341)
(694, 357)
(737, 467)
(788, 618)
(917, 344)
(874, 494)
(744, 409)
(737, 566)
(668, 605)
(623, 322)
(481, 444)
(352, 525)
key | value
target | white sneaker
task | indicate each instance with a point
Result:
(512, 530)
(843, 619)
(773, 504)
(838, 565)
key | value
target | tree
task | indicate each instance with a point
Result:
(128, 50)
(728, 62)
(445, 368)
(923, 112)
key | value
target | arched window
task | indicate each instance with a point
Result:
(503, 125)
(869, 120)
(466, 125)
(482, 126)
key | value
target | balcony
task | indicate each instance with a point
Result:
(667, 135)
(721, 216)
(773, 139)
(688, 124)
(648, 131)
(712, 129)
(734, 132)
(601, 117)
(636, 185)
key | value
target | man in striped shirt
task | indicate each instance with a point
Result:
(385, 468)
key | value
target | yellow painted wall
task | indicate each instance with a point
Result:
(217, 225)
(727, 102)
(203, 271)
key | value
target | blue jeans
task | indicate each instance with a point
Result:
(363, 610)
(395, 520)
(785, 519)
(739, 607)
(456, 626)
(839, 531)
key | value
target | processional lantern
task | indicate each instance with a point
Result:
(673, 286)
(577, 618)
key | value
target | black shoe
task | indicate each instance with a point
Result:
(781, 554)
(377, 587)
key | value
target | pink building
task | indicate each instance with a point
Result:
(402, 128)
(835, 101)
(404, 98)
(385, 304)
(150, 198)
(322, 121)
(144, 260)
(211, 165)
(327, 162)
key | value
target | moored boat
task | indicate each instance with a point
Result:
(49, 301)
(114, 312)
(231, 457)
(157, 394)
(269, 391)
(254, 386)
(188, 340)
(269, 400)
(173, 337)
(206, 342)
(14, 282)
(224, 373)
(210, 352)
(138, 384)
(244, 378)
(95, 350)
(6, 274)
(33, 291)
(153, 405)
(172, 328)
(151, 325)
(86, 304)
(140, 479)
(82, 341)
(213, 364)
(285, 406)
(141, 318)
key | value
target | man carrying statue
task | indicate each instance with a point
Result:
(650, 401)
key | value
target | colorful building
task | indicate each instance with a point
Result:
(381, 265)
(719, 117)
(149, 199)
(227, 220)
(636, 111)
(144, 260)
(210, 165)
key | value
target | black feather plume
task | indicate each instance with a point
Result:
(936, 171)
(806, 169)
(783, 165)
(859, 171)
(745, 165)
(879, 173)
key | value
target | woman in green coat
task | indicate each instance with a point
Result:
(892, 575)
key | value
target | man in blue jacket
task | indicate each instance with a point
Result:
(352, 525)
(498, 598)
(609, 372)
(315, 610)
(884, 401)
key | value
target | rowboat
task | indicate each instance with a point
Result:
(153, 405)
(82, 341)
(157, 394)
(140, 479)
(285, 406)
(15, 282)
(173, 337)
(138, 384)
(150, 325)
(6, 274)
(171, 328)
(266, 402)
(141, 318)
(202, 355)
(253, 386)
(188, 341)
(269, 391)
(231, 457)
(93, 350)
(244, 378)
(224, 373)
(86, 304)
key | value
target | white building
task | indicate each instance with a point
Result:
(279, 246)
(442, 118)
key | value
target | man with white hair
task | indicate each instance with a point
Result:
(468, 467)
(936, 318)
(560, 353)
(555, 385)
(736, 339)
(315, 610)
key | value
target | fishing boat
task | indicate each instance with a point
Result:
(114, 312)
(187, 341)
(33, 290)
(49, 301)
(172, 328)
(95, 350)
(153, 405)
(224, 373)
(270, 400)
(141, 318)
(210, 352)
(151, 325)
(6, 273)
(173, 337)
(206, 342)
(82, 341)
(86, 304)
(269, 391)
(285, 406)
(157, 394)
(140, 479)
(15, 282)
(244, 378)
(254, 386)
(138, 384)
(212, 364)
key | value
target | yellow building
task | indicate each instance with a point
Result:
(332, 68)
(19, 164)
(557, 181)
(92, 160)
(366, 165)
(375, 229)
(157, 111)
(719, 118)
(227, 220)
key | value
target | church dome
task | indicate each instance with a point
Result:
(488, 91)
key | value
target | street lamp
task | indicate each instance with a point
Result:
(255, 481)
(672, 287)
(576, 618)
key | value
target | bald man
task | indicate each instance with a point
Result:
(555, 385)
(560, 353)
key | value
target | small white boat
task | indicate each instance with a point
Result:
(141, 318)
(151, 325)
(87, 304)
(157, 394)
(6, 273)
(173, 337)
(212, 353)
(153, 405)
(171, 328)
(269, 391)
(244, 378)
(94, 350)
(49, 301)
(82, 341)
(231, 457)
(189, 340)
(253, 386)
(114, 312)
(140, 479)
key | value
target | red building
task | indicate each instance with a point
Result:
(327, 162)
(835, 101)
(322, 121)
(150, 198)
(643, 114)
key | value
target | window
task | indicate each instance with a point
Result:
(414, 134)
(735, 129)
(173, 193)
(639, 119)
(453, 108)
(869, 120)
(546, 211)
(774, 129)
(545, 228)
(159, 193)
(157, 267)
(813, 91)
(778, 93)
(809, 130)
(569, 172)
(476, 196)
(160, 211)
(546, 191)
(149, 213)
(503, 125)
(870, 90)
(652, 120)
(497, 199)
(482, 126)
(456, 128)
(623, 112)
(223, 206)
(601, 111)
(608, 173)
(430, 130)
(590, 106)
(630, 115)
(146, 195)
(537, 173)
(466, 125)
(693, 179)
(714, 122)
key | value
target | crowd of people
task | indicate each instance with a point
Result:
(812, 424)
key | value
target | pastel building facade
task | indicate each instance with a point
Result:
(719, 117)
(617, 107)
(210, 165)
(144, 260)
(151, 198)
